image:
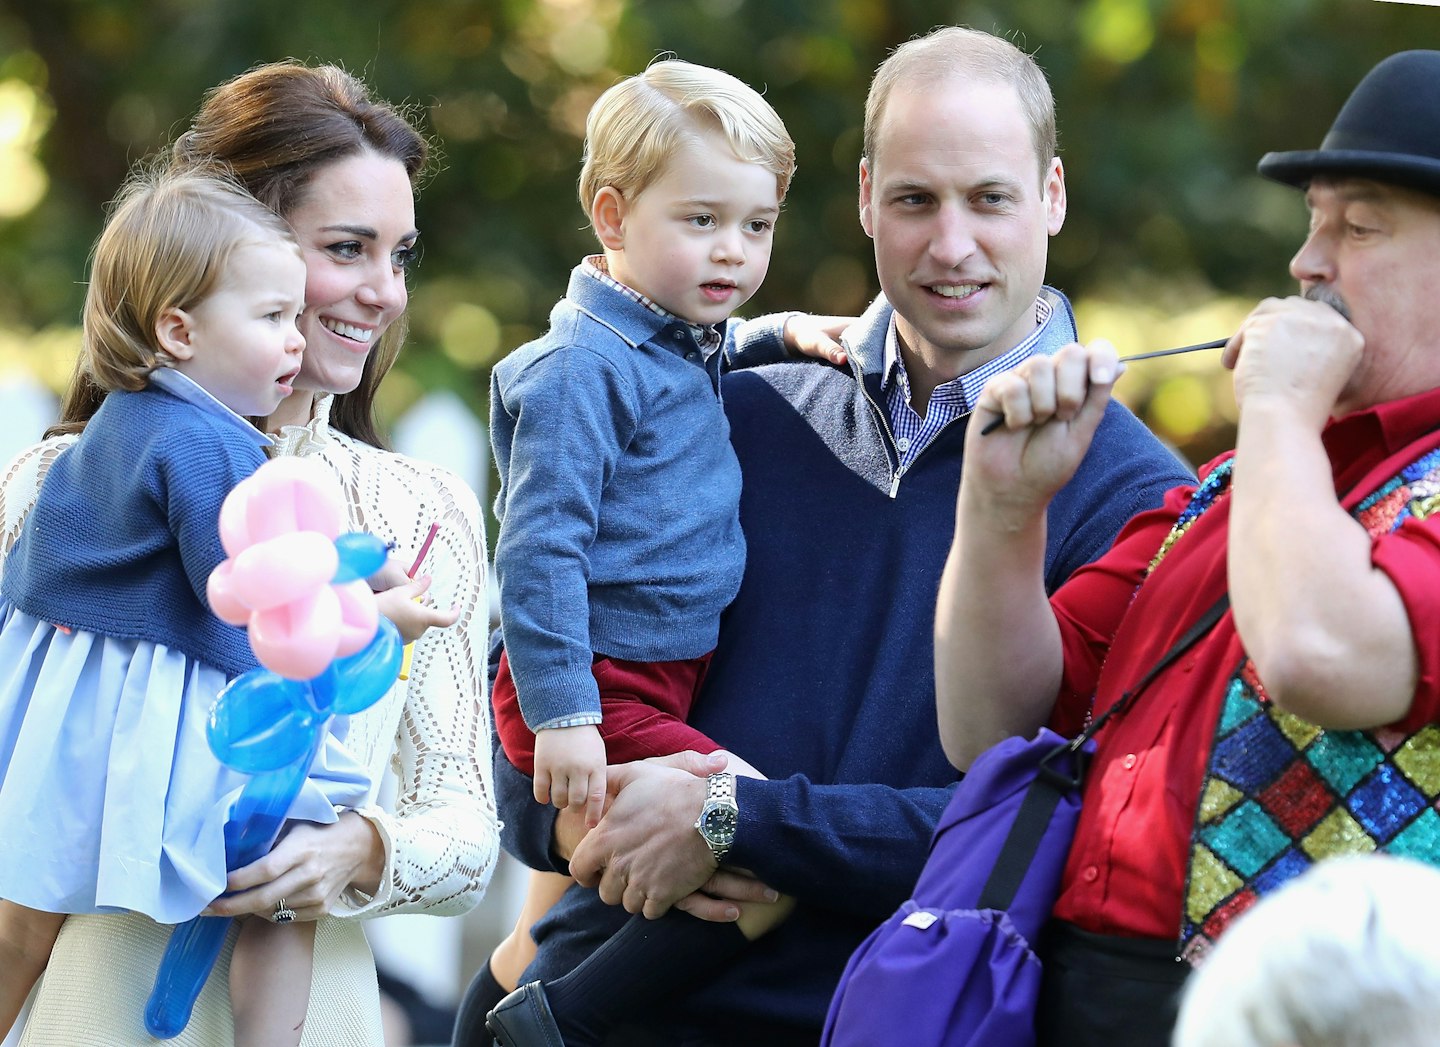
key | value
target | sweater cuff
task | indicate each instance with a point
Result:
(760, 803)
(354, 903)
(760, 341)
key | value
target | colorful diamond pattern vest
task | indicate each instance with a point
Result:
(1280, 793)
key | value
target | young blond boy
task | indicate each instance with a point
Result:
(620, 539)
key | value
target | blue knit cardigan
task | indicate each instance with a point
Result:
(124, 534)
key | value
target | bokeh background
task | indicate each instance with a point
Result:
(1164, 108)
(1165, 105)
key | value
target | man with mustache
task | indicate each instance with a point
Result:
(1303, 723)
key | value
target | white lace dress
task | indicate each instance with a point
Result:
(442, 838)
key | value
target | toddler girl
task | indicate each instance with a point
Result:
(110, 658)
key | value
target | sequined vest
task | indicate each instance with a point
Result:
(1280, 793)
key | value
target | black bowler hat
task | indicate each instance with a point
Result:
(1388, 130)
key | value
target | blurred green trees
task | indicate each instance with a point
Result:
(1165, 105)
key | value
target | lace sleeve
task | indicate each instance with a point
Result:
(442, 839)
(21, 486)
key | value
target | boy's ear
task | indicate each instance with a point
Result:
(607, 215)
(173, 331)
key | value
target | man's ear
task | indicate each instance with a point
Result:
(173, 331)
(607, 215)
(866, 200)
(1054, 190)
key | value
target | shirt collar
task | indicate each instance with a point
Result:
(1362, 440)
(707, 336)
(185, 388)
(969, 384)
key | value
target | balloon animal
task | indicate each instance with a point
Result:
(298, 586)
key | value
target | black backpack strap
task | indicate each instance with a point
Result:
(1051, 783)
(1023, 840)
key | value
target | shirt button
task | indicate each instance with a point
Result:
(1091, 874)
(903, 444)
(1129, 761)
(692, 355)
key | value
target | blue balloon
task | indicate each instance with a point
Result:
(259, 812)
(194, 945)
(270, 727)
(261, 721)
(351, 684)
(361, 555)
(190, 955)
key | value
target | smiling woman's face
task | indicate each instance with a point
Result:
(356, 227)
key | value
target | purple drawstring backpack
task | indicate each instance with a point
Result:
(955, 965)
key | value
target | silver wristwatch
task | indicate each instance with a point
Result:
(720, 815)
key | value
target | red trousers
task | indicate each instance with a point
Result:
(643, 706)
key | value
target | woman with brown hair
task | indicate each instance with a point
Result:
(342, 168)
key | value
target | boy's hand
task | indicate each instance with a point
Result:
(817, 336)
(401, 604)
(570, 770)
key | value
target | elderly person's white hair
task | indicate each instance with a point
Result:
(1346, 955)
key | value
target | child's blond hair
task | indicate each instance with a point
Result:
(165, 246)
(636, 125)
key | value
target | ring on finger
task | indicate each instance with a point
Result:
(283, 913)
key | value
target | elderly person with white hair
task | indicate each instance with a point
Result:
(1346, 955)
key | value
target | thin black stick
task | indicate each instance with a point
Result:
(1219, 343)
(996, 423)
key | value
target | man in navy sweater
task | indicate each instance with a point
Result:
(824, 676)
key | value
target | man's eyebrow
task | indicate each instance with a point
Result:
(1363, 192)
(910, 185)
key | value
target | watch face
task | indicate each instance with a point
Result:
(719, 824)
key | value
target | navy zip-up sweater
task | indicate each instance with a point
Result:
(824, 673)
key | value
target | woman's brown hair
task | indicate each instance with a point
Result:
(274, 127)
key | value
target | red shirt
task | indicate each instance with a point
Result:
(1126, 871)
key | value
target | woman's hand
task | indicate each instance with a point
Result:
(721, 898)
(309, 868)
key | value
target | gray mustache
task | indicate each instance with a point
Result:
(1329, 296)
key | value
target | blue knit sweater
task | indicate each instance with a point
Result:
(618, 501)
(124, 534)
(824, 674)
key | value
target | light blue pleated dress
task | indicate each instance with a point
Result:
(110, 797)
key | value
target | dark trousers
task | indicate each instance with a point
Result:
(1107, 991)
